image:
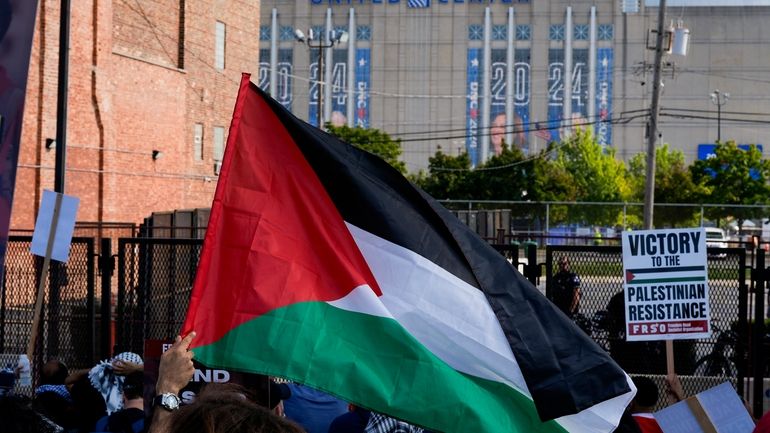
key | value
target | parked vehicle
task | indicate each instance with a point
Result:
(716, 238)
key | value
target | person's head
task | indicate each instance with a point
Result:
(564, 263)
(646, 394)
(54, 372)
(497, 133)
(220, 409)
(133, 386)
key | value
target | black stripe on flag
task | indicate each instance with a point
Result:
(372, 195)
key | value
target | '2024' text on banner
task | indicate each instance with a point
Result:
(665, 281)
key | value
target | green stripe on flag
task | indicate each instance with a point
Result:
(636, 282)
(375, 362)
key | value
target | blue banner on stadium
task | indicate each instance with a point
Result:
(521, 95)
(603, 126)
(472, 107)
(363, 60)
(314, 90)
(555, 92)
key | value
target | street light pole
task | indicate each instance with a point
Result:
(315, 41)
(719, 99)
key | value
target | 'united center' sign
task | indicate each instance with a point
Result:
(666, 284)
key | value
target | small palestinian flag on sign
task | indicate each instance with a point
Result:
(324, 265)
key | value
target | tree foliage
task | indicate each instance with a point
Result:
(503, 176)
(734, 177)
(597, 177)
(449, 177)
(371, 140)
(673, 184)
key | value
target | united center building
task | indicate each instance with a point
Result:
(464, 75)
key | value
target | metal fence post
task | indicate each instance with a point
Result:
(531, 268)
(758, 334)
(106, 266)
(91, 299)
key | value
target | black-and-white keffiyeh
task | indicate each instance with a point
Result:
(379, 423)
(109, 384)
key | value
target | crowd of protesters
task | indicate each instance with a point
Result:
(110, 397)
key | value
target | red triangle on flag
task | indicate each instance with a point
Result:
(629, 276)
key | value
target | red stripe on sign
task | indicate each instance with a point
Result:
(661, 328)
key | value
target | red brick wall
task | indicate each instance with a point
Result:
(127, 97)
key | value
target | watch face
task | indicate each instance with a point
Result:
(170, 401)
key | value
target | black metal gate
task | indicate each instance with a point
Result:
(68, 329)
(155, 277)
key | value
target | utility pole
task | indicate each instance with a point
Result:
(649, 191)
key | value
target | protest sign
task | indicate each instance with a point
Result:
(666, 284)
(716, 410)
(260, 386)
(55, 220)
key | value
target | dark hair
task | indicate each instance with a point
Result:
(133, 386)
(646, 391)
(222, 409)
(54, 372)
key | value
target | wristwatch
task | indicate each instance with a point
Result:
(168, 401)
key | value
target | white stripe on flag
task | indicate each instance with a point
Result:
(454, 321)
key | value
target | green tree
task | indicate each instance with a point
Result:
(371, 140)
(449, 177)
(503, 176)
(550, 181)
(673, 184)
(734, 177)
(597, 177)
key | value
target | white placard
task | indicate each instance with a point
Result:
(723, 410)
(64, 227)
(665, 281)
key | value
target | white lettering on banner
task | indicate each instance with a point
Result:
(603, 104)
(361, 104)
(216, 376)
(554, 91)
(521, 84)
(188, 397)
(474, 107)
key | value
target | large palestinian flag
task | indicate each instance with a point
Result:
(323, 265)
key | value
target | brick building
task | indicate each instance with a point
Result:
(152, 85)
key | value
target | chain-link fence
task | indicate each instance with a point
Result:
(155, 279)
(602, 315)
(600, 223)
(67, 328)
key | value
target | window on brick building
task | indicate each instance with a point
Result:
(198, 142)
(219, 143)
(219, 49)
